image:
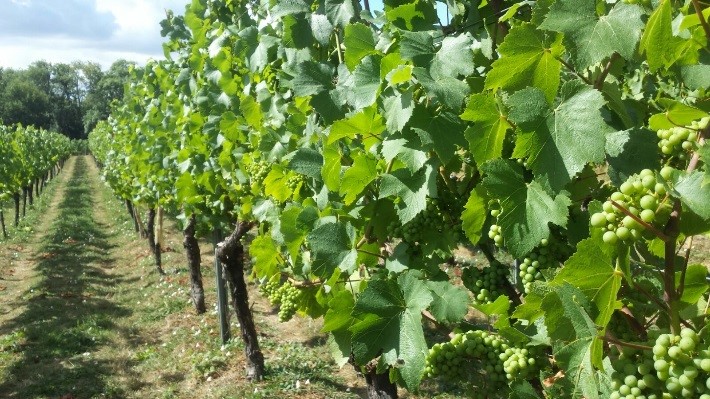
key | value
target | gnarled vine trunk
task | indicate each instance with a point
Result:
(151, 241)
(30, 193)
(129, 207)
(192, 251)
(2, 223)
(230, 253)
(16, 197)
(379, 386)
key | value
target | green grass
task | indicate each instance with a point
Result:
(66, 316)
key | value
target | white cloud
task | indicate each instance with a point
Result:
(86, 30)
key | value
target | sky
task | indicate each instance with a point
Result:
(62, 31)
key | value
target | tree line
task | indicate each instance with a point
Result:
(66, 98)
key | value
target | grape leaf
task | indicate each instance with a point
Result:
(693, 193)
(454, 58)
(450, 92)
(406, 149)
(487, 134)
(312, 78)
(474, 215)
(441, 132)
(527, 208)
(629, 152)
(593, 38)
(561, 140)
(339, 309)
(417, 47)
(398, 109)
(411, 189)
(676, 114)
(264, 255)
(366, 82)
(333, 245)
(591, 270)
(341, 12)
(695, 284)
(450, 303)
(289, 7)
(367, 123)
(358, 176)
(658, 41)
(308, 162)
(529, 57)
(390, 325)
(321, 28)
(359, 42)
(576, 348)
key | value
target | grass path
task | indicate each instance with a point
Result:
(84, 314)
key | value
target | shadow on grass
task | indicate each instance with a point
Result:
(68, 315)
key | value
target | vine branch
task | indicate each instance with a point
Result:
(703, 22)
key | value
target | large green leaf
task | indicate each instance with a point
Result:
(312, 78)
(450, 302)
(658, 41)
(487, 134)
(333, 246)
(454, 58)
(576, 348)
(529, 57)
(410, 190)
(358, 176)
(527, 208)
(591, 270)
(593, 38)
(559, 141)
(390, 325)
(693, 193)
(359, 43)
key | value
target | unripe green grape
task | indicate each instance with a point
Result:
(648, 202)
(627, 188)
(598, 220)
(666, 172)
(610, 237)
(647, 215)
(623, 233)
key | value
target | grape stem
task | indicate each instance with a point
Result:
(571, 68)
(701, 17)
(599, 83)
(665, 238)
(608, 337)
(513, 293)
(672, 229)
(684, 266)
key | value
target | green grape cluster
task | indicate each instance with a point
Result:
(483, 358)
(633, 376)
(682, 364)
(520, 363)
(269, 287)
(643, 197)
(486, 284)
(473, 351)
(494, 233)
(294, 181)
(677, 142)
(289, 297)
(429, 221)
(545, 256)
(257, 172)
(285, 295)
